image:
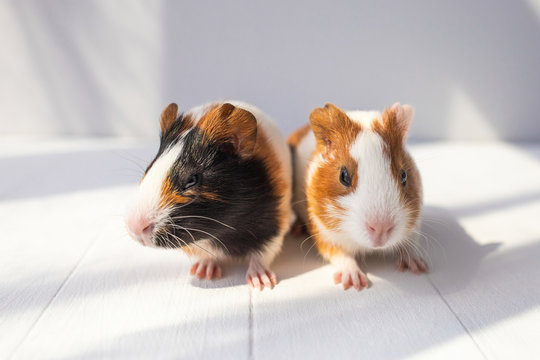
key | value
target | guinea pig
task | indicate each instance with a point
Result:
(219, 188)
(357, 188)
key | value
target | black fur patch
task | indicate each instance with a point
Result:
(240, 216)
(170, 137)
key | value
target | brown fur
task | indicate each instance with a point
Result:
(168, 116)
(230, 125)
(296, 137)
(327, 250)
(334, 133)
(333, 129)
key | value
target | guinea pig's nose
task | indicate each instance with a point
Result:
(146, 235)
(379, 230)
(140, 227)
(148, 229)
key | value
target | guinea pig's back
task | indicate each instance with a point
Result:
(302, 145)
(272, 148)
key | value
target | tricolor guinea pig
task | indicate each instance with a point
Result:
(357, 188)
(219, 188)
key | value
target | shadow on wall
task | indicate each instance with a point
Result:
(80, 69)
(102, 68)
(470, 68)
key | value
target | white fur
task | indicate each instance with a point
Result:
(364, 118)
(302, 159)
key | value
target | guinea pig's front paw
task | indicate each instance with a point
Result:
(351, 276)
(260, 276)
(206, 268)
(415, 264)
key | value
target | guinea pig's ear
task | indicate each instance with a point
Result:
(404, 116)
(329, 124)
(233, 128)
(168, 117)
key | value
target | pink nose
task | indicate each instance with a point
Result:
(379, 230)
(140, 228)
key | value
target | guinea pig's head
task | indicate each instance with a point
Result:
(190, 190)
(364, 185)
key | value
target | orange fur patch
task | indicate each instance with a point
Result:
(210, 196)
(170, 197)
(230, 124)
(327, 250)
(297, 136)
(333, 129)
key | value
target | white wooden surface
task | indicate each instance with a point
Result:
(73, 285)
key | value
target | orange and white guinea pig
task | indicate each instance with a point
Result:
(219, 188)
(357, 188)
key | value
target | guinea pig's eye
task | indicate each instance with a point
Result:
(403, 177)
(344, 177)
(193, 180)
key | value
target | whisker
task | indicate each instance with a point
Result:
(214, 237)
(306, 239)
(311, 247)
(194, 243)
(189, 233)
(203, 217)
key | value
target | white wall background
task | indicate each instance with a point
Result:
(471, 68)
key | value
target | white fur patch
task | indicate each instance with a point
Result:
(198, 112)
(377, 194)
(364, 118)
(148, 197)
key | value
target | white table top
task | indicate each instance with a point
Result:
(73, 285)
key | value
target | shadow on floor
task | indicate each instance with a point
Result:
(444, 241)
(456, 261)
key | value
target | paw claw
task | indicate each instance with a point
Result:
(416, 265)
(259, 276)
(351, 277)
(206, 268)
